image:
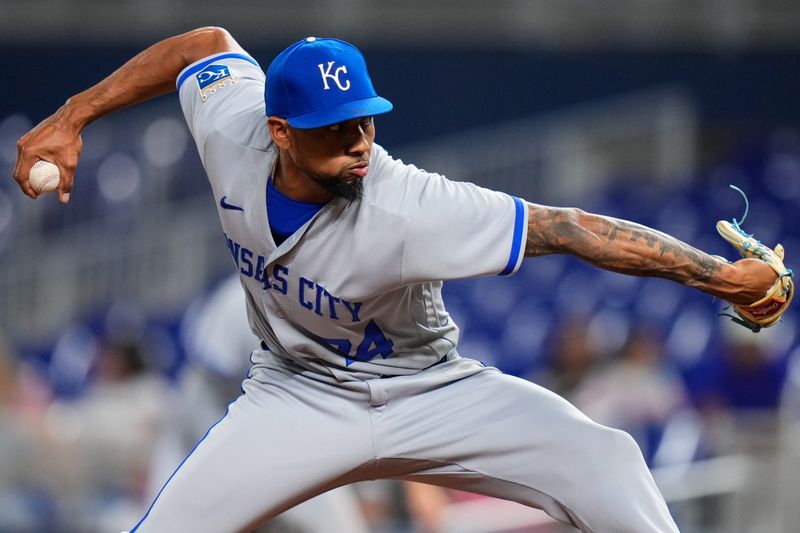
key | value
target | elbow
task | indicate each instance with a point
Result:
(576, 215)
(212, 38)
(206, 41)
(570, 229)
(212, 34)
(553, 230)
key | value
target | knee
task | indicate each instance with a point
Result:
(618, 452)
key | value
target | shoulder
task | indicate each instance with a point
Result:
(223, 99)
(392, 183)
(408, 190)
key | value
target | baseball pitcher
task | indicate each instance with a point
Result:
(342, 251)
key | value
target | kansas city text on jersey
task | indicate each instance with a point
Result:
(316, 299)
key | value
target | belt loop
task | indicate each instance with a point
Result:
(377, 392)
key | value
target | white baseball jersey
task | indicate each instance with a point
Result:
(355, 293)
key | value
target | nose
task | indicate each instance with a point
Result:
(359, 142)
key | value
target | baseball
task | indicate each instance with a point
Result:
(44, 177)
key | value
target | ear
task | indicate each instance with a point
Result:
(280, 132)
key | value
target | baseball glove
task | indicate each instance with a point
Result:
(768, 310)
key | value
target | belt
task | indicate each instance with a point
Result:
(381, 376)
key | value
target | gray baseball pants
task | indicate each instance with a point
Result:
(293, 435)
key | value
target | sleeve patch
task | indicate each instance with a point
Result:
(212, 78)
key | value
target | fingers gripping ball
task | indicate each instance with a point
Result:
(768, 310)
(44, 177)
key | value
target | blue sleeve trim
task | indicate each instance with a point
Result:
(516, 243)
(203, 64)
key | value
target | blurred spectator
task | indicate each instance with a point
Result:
(106, 438)
(741, 391)
(572, 358)
(747, 377)
(73, 465)
(24, 505)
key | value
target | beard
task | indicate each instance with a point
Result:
(340, 187)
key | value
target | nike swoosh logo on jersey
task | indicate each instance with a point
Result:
(225, 205)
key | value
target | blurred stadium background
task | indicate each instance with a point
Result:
(637, 109)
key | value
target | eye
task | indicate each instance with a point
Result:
(335, 127)
(366, 122)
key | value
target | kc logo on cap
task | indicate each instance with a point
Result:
(326, 73)
(318, 82)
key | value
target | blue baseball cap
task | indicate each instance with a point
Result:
(318, 82)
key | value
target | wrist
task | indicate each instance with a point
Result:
(748, 280)
(77, 112)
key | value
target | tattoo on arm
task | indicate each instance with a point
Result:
(619, 246)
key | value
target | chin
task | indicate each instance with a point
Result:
(348, 187)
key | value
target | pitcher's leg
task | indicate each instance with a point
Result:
(506, 437)
(279, 444)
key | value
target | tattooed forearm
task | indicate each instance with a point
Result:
(625, 247)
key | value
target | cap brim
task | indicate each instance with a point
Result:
(367, 107)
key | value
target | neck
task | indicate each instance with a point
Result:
(296, 184)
